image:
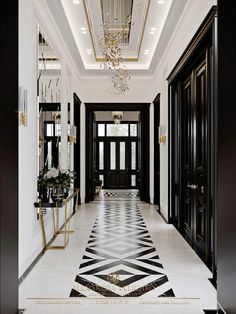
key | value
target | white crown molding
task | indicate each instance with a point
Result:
(47, 22)
(173, 21)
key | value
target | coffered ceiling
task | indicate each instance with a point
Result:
(152, 26)
(86, 19)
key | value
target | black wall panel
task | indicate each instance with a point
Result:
(9, 158)
(226, 282)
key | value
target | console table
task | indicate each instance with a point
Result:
(55, 207)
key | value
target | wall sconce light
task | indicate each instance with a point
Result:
(72, 134)
(162, 134)
(56, 116)
(22, 106)
(41, 142)
(117, 116)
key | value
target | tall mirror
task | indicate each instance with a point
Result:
(49, 99)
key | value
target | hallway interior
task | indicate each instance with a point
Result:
(122, 253)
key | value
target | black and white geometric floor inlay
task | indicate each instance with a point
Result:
(109, 194)
(120, 259)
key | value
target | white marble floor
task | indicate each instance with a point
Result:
(47, 287)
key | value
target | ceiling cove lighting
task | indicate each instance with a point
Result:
(152, 30)
(83, 30)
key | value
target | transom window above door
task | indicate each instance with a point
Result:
(112, 129)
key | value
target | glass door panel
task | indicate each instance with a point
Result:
(122, 156)
(133, 156)
(133, 180)
(101, 156)
(113, 155)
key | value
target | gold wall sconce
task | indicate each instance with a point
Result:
(162, 139)
(22, 106)
(56, 116)
(72, 139)
(162, 134)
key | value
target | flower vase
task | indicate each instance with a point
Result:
(66, 192)
(44, 195)
(58, 192)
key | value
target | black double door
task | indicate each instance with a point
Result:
(119, 166)
(191, 153)
(195, 215)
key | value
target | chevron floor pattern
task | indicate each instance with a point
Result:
(120, 259)
(118, 195)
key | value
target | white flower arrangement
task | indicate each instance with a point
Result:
(56, 178)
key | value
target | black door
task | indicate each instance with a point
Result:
(77, 104)
(156, 143)
(121, 161)
(195, 209)
(117, 156)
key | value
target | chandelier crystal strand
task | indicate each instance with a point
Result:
(109, 46)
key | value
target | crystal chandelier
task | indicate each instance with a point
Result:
(115, 32)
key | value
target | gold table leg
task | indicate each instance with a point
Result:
(56, 229)
(43, 228)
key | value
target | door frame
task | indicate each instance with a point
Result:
(207, 31)
(156, 144)
(144, 109)
(77, 105)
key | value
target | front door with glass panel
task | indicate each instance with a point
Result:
(117, 163)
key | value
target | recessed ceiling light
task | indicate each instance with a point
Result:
(151, 32)
(160, 1)
(153, 28)
(75, 1)
(83, 30)
(146, 52)
(89, 51)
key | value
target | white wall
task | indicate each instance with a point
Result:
(30, 238)
(29, 230)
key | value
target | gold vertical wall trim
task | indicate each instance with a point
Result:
(90, 28)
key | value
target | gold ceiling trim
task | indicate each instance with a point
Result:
(90, 27)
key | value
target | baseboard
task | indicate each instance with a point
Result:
(160, 213)
(41, 253)
(220, 309)
(213, 282)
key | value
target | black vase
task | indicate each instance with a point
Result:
(44, 195)
(66, 192)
